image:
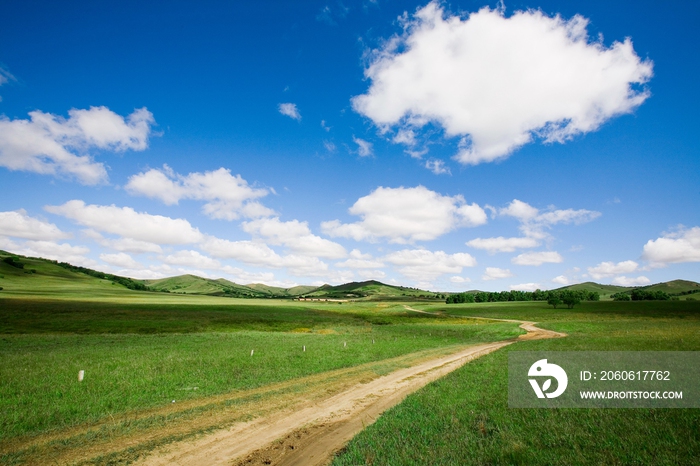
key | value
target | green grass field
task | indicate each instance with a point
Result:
(137, 356)
(464, 418)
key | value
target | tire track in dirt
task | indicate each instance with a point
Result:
(311, 435)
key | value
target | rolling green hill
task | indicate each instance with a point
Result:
(31, 276)
(604, 290)
(192, 284)
(372, 290)
(20, 275)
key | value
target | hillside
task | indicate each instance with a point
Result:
(604, 290)
(675, 287)
(192, 284)
(372, 290)
(31, 276)
(282, 292)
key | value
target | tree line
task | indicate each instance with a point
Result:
(553, 297)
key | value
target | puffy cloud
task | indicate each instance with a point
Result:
(533, 222)
(358, 260)
(630, 281)
(424, 265)
(290, 110)
(494, 273)
(501, 244)
(18, 224)
(228, 196)
(561, 280)
(405, 215)
(296, 236)
(49, 144)
(525, 287)
(608, 269)
(364, 148)
(126, 222)
(549, 80)
(680, 246)
(191, 259)
(437, 167)
(458, 279)
(122, 260)
(537, 258)
(63, 252)
(259, 254)
(520, 210)
(122, 244)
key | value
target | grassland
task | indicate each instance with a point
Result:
(464, 418)
(140, 355)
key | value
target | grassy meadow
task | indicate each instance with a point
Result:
(464, 418)
(138, 355)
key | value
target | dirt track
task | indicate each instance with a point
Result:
(310, 433)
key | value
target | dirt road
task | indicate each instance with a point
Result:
(310, 434)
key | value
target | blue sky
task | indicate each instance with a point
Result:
(450, 146)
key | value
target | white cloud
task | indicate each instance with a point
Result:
(228, 196)
(525, 287)
(371, 274)
(122, 244)
(405, 215)
(501, 244)
(520, 210)
(63, 252)
(330, 147)
(364, 148)
(126, 222)
(458, 279)
(630, 281)
(290, 110)
(259, 254)
(561, 280)
(608, 269)
(295, 235)
(122, 260)
(548, 82)
(681, 246)
(423, 265)
(50, 144)
(533, 222)
(190, 258)
(437, 167)
(325, 126)
(358, 260)
(537, 258)
(18, 224)
(494, 273)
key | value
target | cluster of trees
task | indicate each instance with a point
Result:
(14, 262)
(553, 297)
(124, 281)
(642, 295)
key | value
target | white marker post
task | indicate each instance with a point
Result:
(252, 351)
(345, 343)
(81, 376)
(304, 348)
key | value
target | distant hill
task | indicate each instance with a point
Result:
(674, 288)
(33, 276)
(192, 284)
(372, 290)
(282, 292)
